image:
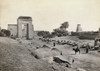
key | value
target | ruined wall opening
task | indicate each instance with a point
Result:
(25, 29)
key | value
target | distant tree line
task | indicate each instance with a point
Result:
(5, 33)
(61, 31)
(43, 33)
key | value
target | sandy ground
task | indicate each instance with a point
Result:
(17, 57)
(89, 62)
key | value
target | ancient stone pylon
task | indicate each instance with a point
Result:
(0, 29)
(24, 27)
(78, 29)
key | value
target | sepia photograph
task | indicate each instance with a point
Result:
(49, 35)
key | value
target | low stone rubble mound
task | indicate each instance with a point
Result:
(80, 69)
(56, 51)
(61, 61)
(45, 46)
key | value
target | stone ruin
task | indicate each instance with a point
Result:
(99, 30)
(0, 29)
(23, 28)
(78, 29)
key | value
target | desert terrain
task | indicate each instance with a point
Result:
(38, 55)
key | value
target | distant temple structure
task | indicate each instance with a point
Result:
(99, 30)
(0, 29)
(85, 34)
(13, 29)
(78, 29)
(23, 28)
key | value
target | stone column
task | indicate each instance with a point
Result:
(19, 28)
(30, 30)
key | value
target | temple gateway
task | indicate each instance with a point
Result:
(23, 28)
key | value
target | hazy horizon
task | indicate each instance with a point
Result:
(50, 14)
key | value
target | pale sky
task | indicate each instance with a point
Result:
(49, 14)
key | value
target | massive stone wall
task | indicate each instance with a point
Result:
(13, 29)
(86, 35)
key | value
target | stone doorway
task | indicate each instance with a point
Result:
(25, 31)
(24, 27)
